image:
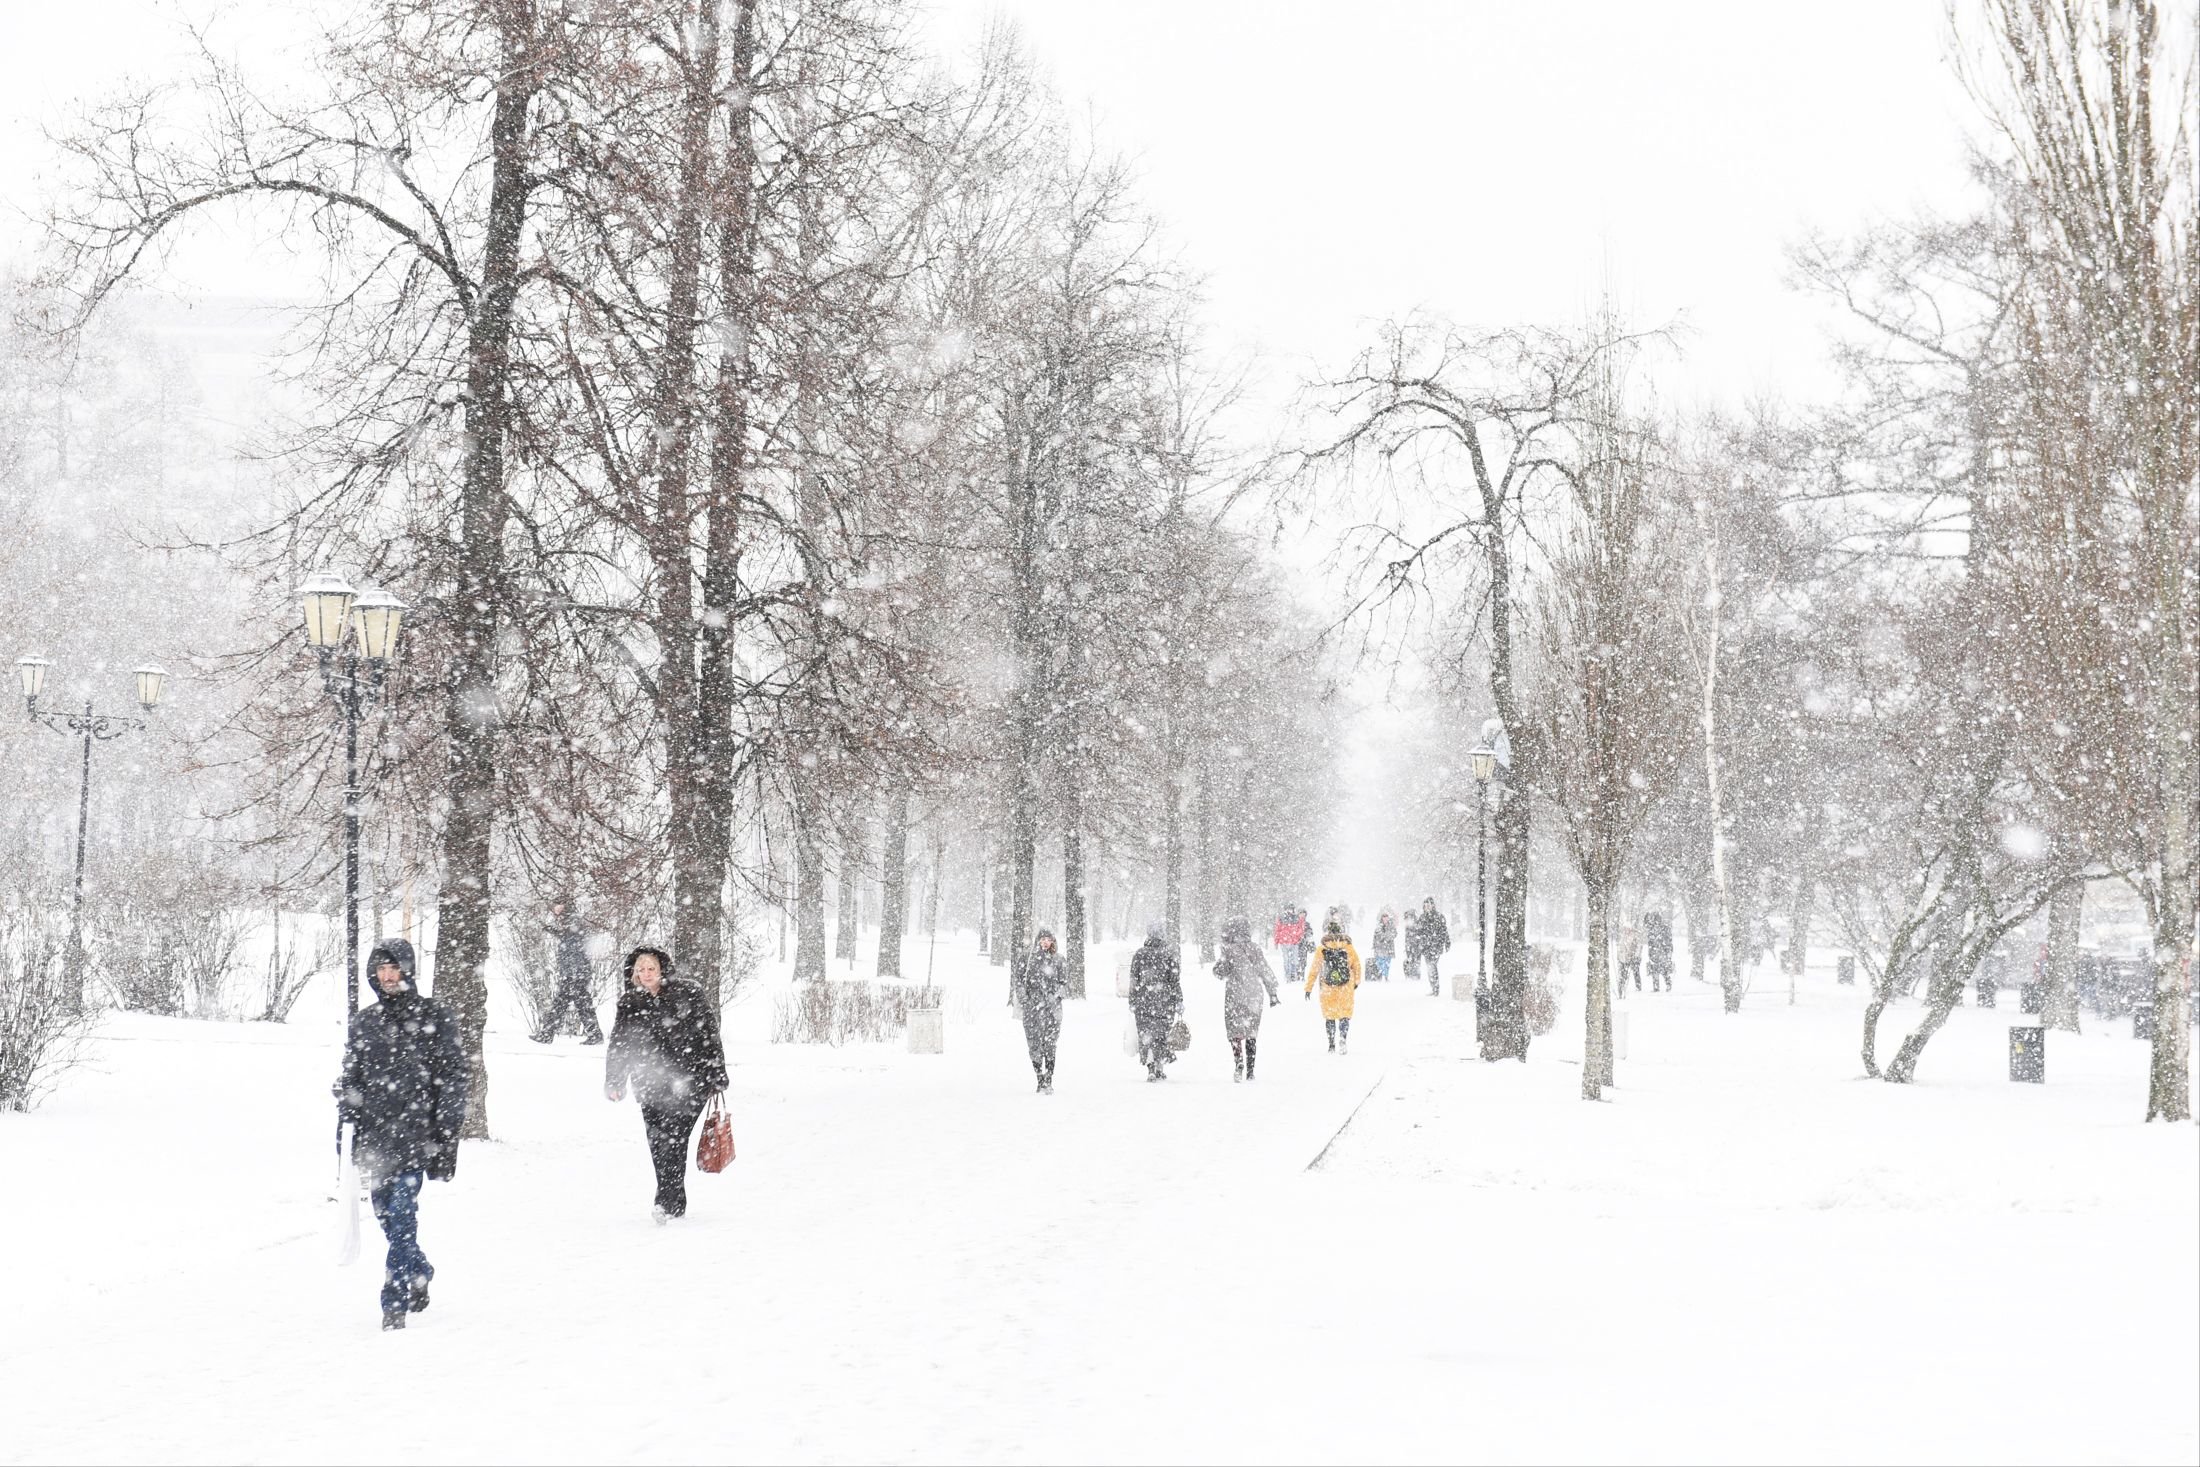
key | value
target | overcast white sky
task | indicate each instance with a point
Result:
(1326, 164)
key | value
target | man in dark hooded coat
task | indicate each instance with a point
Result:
(404, 1091)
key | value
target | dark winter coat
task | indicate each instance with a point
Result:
(1247, 984)
(666, 1043)
(1042, 986)
(1385, 944)
(1157, 986)
(572, 949)
(405, 1078)
(1427, 935)
(1657, 939)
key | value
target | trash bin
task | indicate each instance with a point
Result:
(1988, 992)
(2028, 1054)
(2142, 1021)
(2028, 998)
(1845, 971)
(927, 1031)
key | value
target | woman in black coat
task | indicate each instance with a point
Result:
(1042, 982)
(665, 1040)
(1157, 999)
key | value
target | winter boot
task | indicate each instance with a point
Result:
(658, 1215)
(596, 1038)
(394, 1317)
(419, 1300)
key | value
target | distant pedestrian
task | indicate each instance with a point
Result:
(1657, 943)
(665, 1041)
(1245, 978)
(1384, 947)
(1290, 940)
(1630, 955)
(1042, 983)
(1336, 971)
(1428, 938)
(574, 992)
(404, 1091)
(1157, 1000)
(1307, 942)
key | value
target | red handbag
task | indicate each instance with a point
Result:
(714, 1143)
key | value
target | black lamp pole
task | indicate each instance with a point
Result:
(93, 726)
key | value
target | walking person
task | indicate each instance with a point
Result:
(1384, 947)
(1428, 938)
(1290, 942)
(1657, 941)
(1157, 1000)
(1042, 983)
(1630, 956)
(1245, 977)
(404, 1091)
(1307, 943)
(1336, 971)
(574, 993)
(665, 1042)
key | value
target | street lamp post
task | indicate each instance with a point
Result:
(94, 727)
(352, 670)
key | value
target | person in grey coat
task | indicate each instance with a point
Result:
(1042, 983)
(1245, 976)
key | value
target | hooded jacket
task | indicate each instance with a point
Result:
(1336, 997)
(1157, 985)
(666, 1043)
(405, 1078)
(1247, 984)
(1043, 984)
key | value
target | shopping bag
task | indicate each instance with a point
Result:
(1180, 1036)
(347, 1193)
(714, 1143)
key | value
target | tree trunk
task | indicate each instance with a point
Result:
(893, 892)
(847, 935)
(1801, 909)
(2059, 998)
(710, 832)
(1172, 845)
(696, 878)
(1596, 1042)
(1504, 1032)
(1950, 974)
(1073, 891)
(1204, 905)
(472, 613)
(1234, 895)
(809, 884)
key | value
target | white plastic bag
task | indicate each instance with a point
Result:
(347, 1194)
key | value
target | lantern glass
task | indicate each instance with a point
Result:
(1485, 763)
(376, 618)
(150, 682)
(328, 608)
(33, 670)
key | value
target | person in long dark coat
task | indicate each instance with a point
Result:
(1657, 943)
(1157, 999)
(1245, 978)
(665, 1042)
(1428, 938)
(573, 995)
(404, 1091)
(1042, 983)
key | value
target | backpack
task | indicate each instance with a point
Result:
(1336, 966)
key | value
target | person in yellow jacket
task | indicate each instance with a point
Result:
(1336, 972)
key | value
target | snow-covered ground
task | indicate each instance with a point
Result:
(1747, 1253)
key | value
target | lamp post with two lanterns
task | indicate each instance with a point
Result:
(95, 727)
(355, 635)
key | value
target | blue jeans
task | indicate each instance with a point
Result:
(1382, 967)
(397, 1208)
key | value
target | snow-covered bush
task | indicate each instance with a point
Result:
(40, 1023)
(291, 966)
(824, 1012)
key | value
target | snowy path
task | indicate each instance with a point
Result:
(1747, 1255)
